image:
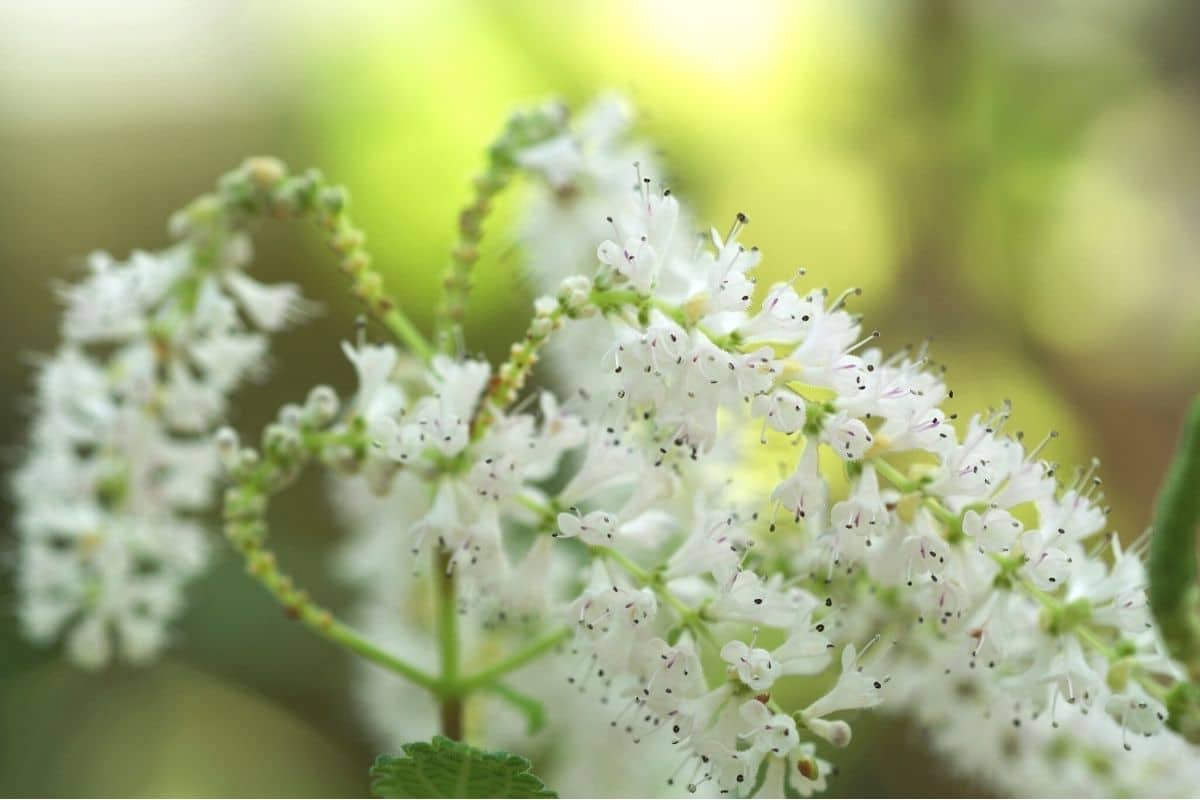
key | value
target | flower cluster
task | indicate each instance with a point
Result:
(975, 562)
(941, 569)
(121, 458)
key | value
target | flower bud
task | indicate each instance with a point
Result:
(264, 171)
(321, 406)
(227, 444)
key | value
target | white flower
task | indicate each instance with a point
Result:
(644, 234)
(1046, 564)
(746, 597)
(675, 677)
(863, 514)
(849, 437)
(1137, 712)
(804, 492)
(785, 316)
(804, 652)
(715, 545)
(375, 366)
(270, 308)
(769, 733)
(854, 689)
(754, 666)
(781, 410)
(594, 528)
(995, 531)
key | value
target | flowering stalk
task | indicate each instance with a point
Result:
(523, 356)
(262, 187)
(287, 448)
(522, 131)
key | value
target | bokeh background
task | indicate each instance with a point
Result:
(1019, 180)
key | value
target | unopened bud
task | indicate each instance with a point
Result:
(265, 172)
(321, 406)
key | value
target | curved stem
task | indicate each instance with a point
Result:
(262, 188)
(535, 715)
(245, 508)
(262, 566)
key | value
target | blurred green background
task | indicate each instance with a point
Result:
(1019, 180)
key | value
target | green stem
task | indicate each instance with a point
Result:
(404, 330)
(535, 714)
(262, 188)
(689, 617)
(352, 640)
(456, 280)
(522, 130)
(261, 564)
(446, 603)
(245, 509)
(488, 676)
(894, 476)
(512, 374)
(617, 557)
(614, 300)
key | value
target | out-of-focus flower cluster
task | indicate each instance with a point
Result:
(121, 462)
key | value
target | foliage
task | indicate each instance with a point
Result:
(444, 768)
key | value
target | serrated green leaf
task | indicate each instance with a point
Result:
(445, 768)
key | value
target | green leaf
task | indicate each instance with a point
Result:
(1172, 561)
(445, 768)
(1183, 710)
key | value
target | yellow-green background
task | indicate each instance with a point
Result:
(1019, 180)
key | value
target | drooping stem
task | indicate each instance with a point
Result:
(245, 512)
(262, 188)
(261, 564)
